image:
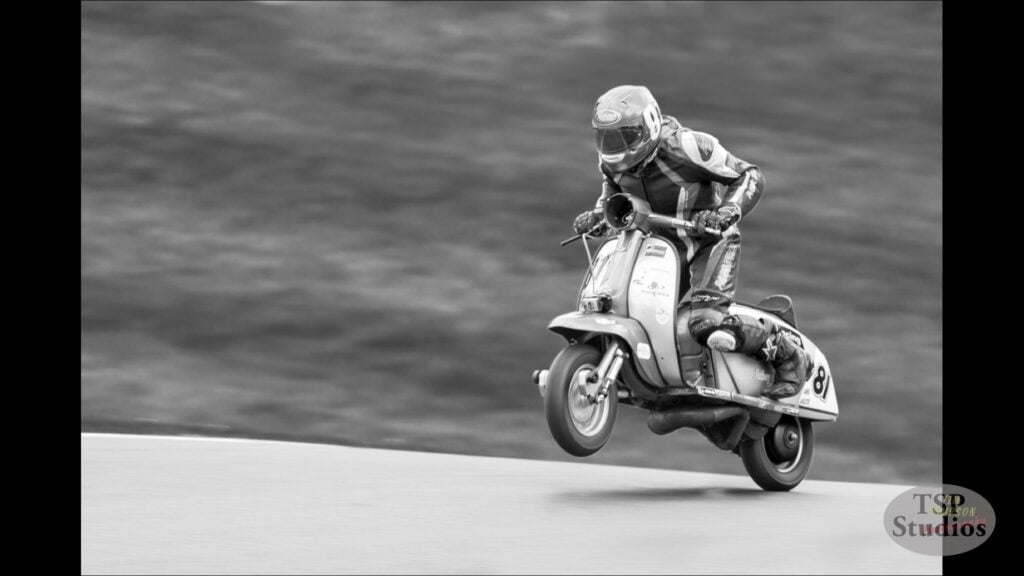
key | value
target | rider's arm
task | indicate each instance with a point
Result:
(745, 181)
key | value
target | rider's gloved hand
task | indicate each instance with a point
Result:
(719, 219)
(729, 214)
(586, 221)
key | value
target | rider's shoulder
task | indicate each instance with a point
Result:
(687, 144)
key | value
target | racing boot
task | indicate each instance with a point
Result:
(764, 340)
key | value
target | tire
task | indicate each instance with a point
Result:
(580, 435)
(770, 461)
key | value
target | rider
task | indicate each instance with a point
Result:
(687, 174)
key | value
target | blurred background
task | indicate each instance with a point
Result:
(340, 222)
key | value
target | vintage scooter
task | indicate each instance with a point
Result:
(629, 344)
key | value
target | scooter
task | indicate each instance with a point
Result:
(628, 343)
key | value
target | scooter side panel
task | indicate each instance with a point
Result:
(573, 324)
(652, 302)
(817, 400)
(741, 373)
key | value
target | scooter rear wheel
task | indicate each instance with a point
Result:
(781, 459)
(579, 426)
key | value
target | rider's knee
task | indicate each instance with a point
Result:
(704, 321)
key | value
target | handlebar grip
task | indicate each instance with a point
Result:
(670, 222)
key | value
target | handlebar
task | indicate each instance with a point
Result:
(666, 222)
(670, 222)
(568, 241)
(624, 211)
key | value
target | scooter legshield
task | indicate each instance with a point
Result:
(653, 297)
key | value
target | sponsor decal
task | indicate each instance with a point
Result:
(607, 116)
(725, 268)
(939, 520)
(662, 316)
(770, 348)
(605, 321)
(655, 250)
(654, 282)
(643, 351)
(793, 336)
(705, 145)
(657, 289)
(714, 392)
(653, 122)
(761, 375)
(751, 183)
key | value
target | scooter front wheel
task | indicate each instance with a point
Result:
(781, 459)
(580, 426)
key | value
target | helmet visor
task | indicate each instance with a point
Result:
(615, 140)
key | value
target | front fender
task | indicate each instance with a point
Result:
(581, 325)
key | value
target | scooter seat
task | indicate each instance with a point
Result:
(779, 305)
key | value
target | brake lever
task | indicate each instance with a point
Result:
(588, 233)
(568, 241)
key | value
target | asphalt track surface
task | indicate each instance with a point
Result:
(153, 504)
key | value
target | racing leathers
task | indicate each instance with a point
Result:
(691, 176)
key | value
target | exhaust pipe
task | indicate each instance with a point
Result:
(672, 419)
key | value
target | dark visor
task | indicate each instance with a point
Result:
(615, 140)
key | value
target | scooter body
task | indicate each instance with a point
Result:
(629, 315)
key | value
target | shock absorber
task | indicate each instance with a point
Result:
(608, 371)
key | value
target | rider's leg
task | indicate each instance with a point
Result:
(713, 274)
(763, 339)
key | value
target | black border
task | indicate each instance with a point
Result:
(979, 380)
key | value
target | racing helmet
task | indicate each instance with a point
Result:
(627, 124)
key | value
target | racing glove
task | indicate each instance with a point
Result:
(720, 219)
(587, 221)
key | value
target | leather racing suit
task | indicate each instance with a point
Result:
(690, 172)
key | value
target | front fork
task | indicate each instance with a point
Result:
(607, 372)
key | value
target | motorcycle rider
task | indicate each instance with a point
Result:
(689, 175)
